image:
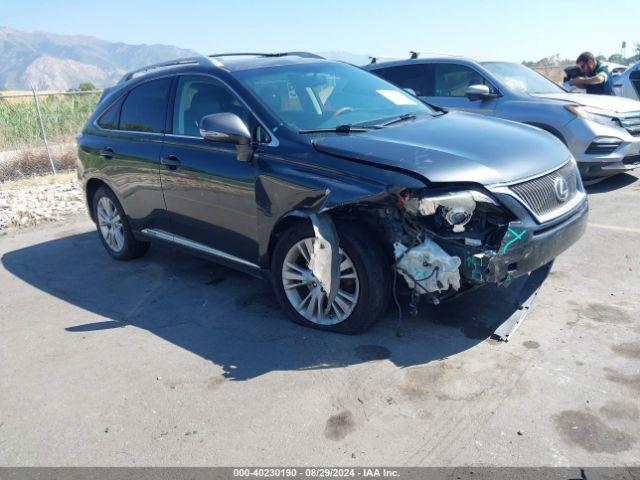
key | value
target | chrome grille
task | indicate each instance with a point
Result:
(539, 194)
(631, 123)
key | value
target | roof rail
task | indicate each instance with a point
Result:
(254, 54)
(205, 61)
(415, 54)
(171, 63)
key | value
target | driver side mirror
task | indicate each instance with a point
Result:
(228, 128)
(478, 92)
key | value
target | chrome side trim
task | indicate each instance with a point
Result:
(185, 242)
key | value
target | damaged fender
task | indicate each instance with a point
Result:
(295, 189)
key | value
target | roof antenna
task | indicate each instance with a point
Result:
(414, 55)
(373, 59)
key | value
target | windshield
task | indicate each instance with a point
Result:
(519, 78)
(327, 95)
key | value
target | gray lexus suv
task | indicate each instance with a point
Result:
(334, 184)
(602, 132)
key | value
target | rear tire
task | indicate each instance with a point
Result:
(113, 227)
(364, 285)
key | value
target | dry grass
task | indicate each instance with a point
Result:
(32, 162)
(49, 179)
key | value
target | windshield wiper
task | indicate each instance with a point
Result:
(402, 118)
(338, 129)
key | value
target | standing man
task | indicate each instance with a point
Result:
(596, 77)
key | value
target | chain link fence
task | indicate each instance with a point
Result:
(37, 131)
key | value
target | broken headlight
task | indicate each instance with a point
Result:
(456, 208)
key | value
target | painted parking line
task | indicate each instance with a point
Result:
(615, 227)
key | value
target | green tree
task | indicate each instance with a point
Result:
(86, 86)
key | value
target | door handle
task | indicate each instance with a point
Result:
(172, 162)
(106, 153)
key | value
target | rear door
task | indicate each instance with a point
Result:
(209, 193)
(128, 142)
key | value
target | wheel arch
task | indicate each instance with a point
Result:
(91, 187)
(549, 129)
(338, 215)
(296, 217)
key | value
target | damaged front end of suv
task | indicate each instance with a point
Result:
(447, 240)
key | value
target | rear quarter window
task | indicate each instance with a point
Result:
(109, 119)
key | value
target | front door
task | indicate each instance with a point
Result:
(209, 194)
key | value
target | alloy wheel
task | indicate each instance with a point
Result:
(110, 224)
(305, 293)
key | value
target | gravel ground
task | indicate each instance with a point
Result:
(26, 203)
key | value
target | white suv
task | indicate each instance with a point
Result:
(627, 84)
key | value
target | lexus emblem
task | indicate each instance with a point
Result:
(562, 189)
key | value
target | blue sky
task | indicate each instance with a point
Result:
(509, 30)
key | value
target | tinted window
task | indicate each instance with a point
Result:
(452, 80)
(418, 77)
(109, 119)
(198, 96)
(144, 109)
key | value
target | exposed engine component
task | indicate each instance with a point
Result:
(456, 207)
(427, 267)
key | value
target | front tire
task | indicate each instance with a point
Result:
(113, 227)
(363, 292)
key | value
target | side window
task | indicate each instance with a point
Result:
(109, 119)
(452, 80)
(199, 96)
(145, 108)
(418, 77)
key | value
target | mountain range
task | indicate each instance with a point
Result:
(49, 61)
(59, 62)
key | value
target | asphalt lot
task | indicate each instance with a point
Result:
(171, 360)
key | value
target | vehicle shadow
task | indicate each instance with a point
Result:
(609, 184)
(232, 319)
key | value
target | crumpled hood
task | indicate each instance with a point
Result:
(604, 102)
(456, 147)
